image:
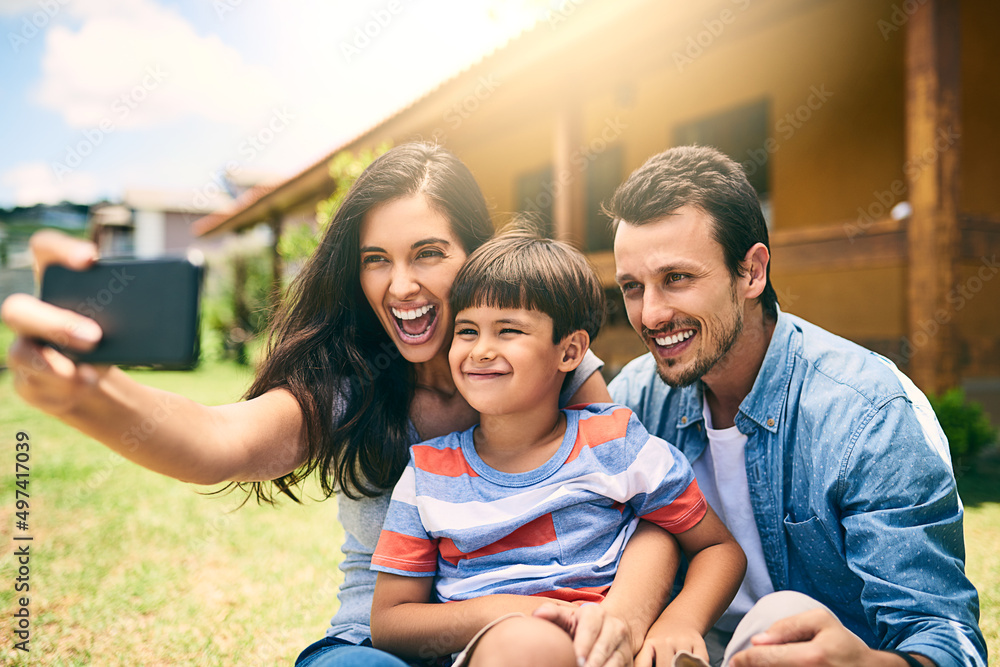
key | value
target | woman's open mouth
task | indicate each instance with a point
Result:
(415, 325)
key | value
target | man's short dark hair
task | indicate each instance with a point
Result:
(518, 268)
(708, 180)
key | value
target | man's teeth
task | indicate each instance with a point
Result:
(673, 340)
(412, 314)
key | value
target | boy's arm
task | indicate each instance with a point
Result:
(641, 588)
(715, 571)
(644, 580)
(405, 622)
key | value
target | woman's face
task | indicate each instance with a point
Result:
(409, 260)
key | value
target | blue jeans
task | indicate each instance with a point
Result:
(333, 652)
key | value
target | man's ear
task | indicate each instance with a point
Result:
(574, 347)
(755, 270)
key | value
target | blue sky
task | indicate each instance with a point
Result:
(99, 96)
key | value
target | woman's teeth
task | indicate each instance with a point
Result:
(663, 341)
(412, 314)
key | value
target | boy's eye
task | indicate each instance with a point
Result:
(465, 332)
(511, 331)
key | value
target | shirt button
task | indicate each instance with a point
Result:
(770, 422)
(684, 420)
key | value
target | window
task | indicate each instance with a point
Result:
(604, 174)
(742, 134)
(117, 241)
(535, 197)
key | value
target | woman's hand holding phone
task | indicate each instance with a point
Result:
(43, 376)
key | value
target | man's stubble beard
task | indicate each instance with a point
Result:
(703, 365)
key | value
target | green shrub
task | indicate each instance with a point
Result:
(231, 322)
(298, 243)
(964, 423)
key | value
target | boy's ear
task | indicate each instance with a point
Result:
(574, 347)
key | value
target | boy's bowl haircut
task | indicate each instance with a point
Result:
(519, 268)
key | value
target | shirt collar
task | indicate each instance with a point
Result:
(690, 406)
(765, 403)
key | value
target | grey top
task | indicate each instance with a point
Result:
(362, 522)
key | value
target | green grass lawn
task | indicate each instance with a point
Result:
(131, 568)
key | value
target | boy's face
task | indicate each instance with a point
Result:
(504, 361)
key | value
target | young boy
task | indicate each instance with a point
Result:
(534, 500)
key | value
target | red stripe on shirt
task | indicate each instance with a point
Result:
(683, 513)
(600, 429)
(405, 552)
(532, 534)
(445, 462)
(576, 595)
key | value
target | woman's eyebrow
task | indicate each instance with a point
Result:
(417, 244)
(430, 241)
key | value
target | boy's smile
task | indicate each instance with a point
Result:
(503, 360)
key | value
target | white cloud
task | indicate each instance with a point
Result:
(35, 183)
(135, 64)
(18, 7)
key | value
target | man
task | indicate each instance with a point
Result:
(825, 462)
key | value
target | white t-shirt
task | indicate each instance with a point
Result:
(722, 475)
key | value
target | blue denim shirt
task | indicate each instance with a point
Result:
(851, 487)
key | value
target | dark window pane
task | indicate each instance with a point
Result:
(740, 133)
(535, 196)
(604, 174)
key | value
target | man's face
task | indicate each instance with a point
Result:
(679, 296)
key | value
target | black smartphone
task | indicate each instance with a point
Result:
(148, 309)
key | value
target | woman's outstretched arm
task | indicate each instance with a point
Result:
(165, 432)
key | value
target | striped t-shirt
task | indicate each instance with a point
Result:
(558, 530)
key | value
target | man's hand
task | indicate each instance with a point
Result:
(660, 650)
(814, 637)
(599, 639)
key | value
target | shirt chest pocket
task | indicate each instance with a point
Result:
(814, 560)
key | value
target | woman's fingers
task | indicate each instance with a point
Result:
(43, 376)
(51, 247)
(47, 379)
(31, 318)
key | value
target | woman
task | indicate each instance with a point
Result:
(356, 371)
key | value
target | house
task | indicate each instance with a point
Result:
(868, 128)
(150, 223)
